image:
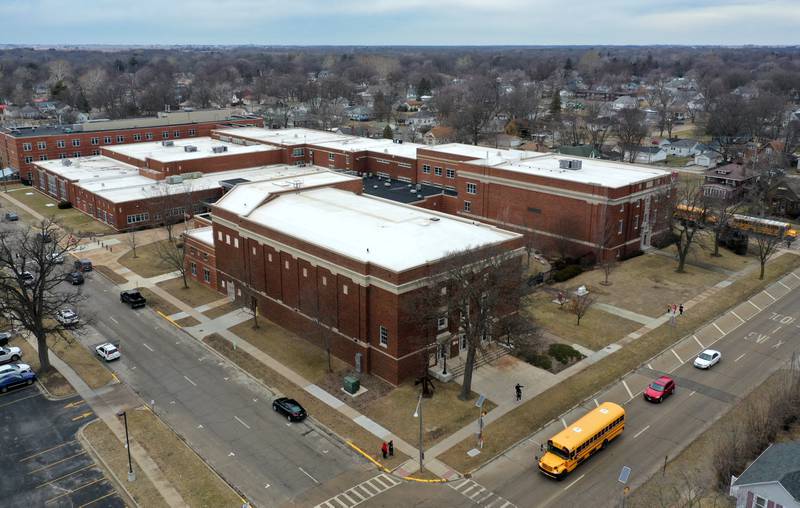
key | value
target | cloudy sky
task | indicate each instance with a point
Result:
(406, 22)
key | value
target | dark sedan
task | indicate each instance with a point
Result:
(15, 379)
(289, 408)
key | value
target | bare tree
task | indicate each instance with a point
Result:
(767, 247)
(630, 129)
(580, 305)
(720, 213)
(423, 312)
(476, 109)
(172, 255)
(597, 127)
(31, 290)
(132, 240)
(688, 219)
(662, 100)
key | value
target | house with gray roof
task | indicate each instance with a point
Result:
(684, 148)
(772, 480)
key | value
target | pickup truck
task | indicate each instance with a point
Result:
(133, 298)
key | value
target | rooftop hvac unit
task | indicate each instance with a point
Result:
(171, 180)
(219, 149)
(569, 164)
(192, 175)
(66, 162)
(167, 143)
(189, 148)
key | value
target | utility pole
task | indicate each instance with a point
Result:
(418, 414)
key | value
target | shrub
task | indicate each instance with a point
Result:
(567, 273)
(64, 205)
(541, 361)
(564, 353)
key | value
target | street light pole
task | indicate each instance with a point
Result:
(131, 474)
(418, 414)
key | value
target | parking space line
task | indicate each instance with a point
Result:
(98, 499)
(693, 392)
(564, 423)
(76, 490)
(769, 295)
(630, 394)
(190, 381)
(676, 356)
(38, 394)
(640, 432)
(784, 285)
(57, 462)
(739, 358)
(776, 330)
(241, 421)
(48, 450)
(798, 276)
(754, 305)
(306, 473)
(64, 476)
(715, 325)
(737, 316)
(596, 404)
(698, 341)
(148, 347)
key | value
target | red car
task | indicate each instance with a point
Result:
(659, 389)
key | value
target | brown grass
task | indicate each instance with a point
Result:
(334, 420)
(195, 295)
(110, 274)
(53, 381)
(82, 361)
(181, 466)
(112, 450)
(221, 310)
(157, 303)
(147, 262)
(535, 413)
(597, 329)
(70, 218)
(187, 322)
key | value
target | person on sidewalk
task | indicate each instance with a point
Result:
(385, 450)
(674, 309)
(391, 448)
(518, 390)
(680, 309)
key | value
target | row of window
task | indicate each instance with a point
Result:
(138, 218)
(600, 434)
(206, 272)
(437, 171)
(107, 140)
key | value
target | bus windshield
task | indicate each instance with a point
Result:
(557, 451)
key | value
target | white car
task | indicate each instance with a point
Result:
(10, 354)
(67, 317)
(19, 368)
(707, 359)
(56, 258)
(107, 351)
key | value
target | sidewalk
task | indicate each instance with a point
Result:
(106, 402)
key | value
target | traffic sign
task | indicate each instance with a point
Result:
(624, 475)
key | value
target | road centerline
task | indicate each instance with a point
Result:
(640, 432)
(576, 481)
(190, 381)
(306, 473)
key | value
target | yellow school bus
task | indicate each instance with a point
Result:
(591, 433)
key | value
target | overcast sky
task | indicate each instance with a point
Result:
(400, 22)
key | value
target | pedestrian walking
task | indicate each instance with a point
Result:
(518, 390)
(669, 308)
(385, 450)
(391, 449)
(680, 309)
(674, 308)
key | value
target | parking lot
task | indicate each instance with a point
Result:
(44, 463)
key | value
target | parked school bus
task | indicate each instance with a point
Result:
(590, 434)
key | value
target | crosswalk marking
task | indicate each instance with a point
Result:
(357, 494)
(476, 492)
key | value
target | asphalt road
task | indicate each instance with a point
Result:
(750, 354)
(43, 463)
(223, 415)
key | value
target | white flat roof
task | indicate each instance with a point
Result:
(611, 174)
(387, 146)
(367, 229)
(205, 235)
(284, 137)
(94, 167)
(156, 151)
(245, 197)
(488, 155)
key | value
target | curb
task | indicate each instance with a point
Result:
(120, 487)
(391, 472)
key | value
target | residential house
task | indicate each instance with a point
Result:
(421, 119)
(359, 114)
(684, 148)
(706, 157)
(728, 182)
(772, 480)
(784, 198)
(625, 102)
(439, 135)
(647, 154)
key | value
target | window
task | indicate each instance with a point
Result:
(467, 206)
(437, 171)
(149, 136)
(331, 157)
(138, 217)
(76, 142)
(636, 221)
(194, 268)
(236, 242)
(95, 152)
(120, 139)
(305, 273)
(192, 132)
(219, 235)
(94, 141)
(621, 208)
(107, 140)
(137, 137)
(61, 143)
(207, 275)
(450, 173)
(176, 134)
(286, 264)
(760, 502)
(298, 152)
(324, 281)
(62, 156)
(254, 251)
(426, 169)
(27, 147)
(28, 160)
(619, 231)
(344, 288)
(76, 154)
(383, 336)
(228, 239)
(472, 188)
(41, 145)
(43, 157)
(165, 135)
(269, 258)
(638, 202)
(441, 323)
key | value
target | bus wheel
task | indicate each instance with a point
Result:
(605, 443)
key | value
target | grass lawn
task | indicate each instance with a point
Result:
(702, 251)
(7, 205)
(195, 295)
(82, 361)
(295, 352)
(318, 410)
(53, 381)
(147, 262)
(69, 218)
(536, 412)
(443, 413)
(221, 310)
(110, 274)
(182, 467)
(157, 303)
(645, 284)
(678, 162)
(112, 450)
(187, 322)
(597, 329)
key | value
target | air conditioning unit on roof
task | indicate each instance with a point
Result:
(219, 149)
(167, 143)
(569, 164)
(189, 148)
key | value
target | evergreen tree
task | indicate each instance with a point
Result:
(388, 133)
(555, 104)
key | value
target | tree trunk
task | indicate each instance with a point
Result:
(682, 259)
(44, 353)
(466, 386)
(763, 265)
(185, 282)
(716, 243)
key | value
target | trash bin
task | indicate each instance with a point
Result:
(351, 384)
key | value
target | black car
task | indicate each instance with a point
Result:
(293, 411)
(133, 298)
(75, 278)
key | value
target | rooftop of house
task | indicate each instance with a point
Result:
(246, 197)
(282, 137)
(176, 150)
(204, 235)
(683, 143)
(730, 171)
(604, 173)
(401, 192)
(370, 230)
(778, 463)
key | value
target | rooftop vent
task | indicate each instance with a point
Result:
(219, 149)
(189, 148)
(569, 164)
(167, 143)
(66, 162)
(435, 219)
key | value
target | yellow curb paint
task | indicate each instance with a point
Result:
(386, 470)
(169, 319)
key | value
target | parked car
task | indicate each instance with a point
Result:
(28, 280)
(67, 317)
(133, 298)
(75, 278)
(707, 359)
(12, 216)
(289, 408)
(56, 258)
(10, 354)
(6, 336)
(659, 389)
(83, 265)
(15, 367)
(16, 379)
(107, 351)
